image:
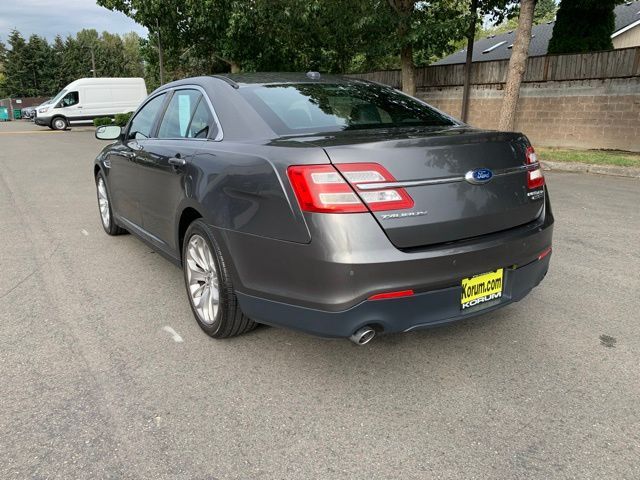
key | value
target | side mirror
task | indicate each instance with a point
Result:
(108, 132)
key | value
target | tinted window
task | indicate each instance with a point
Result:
(201, 121)
(299, 108)
(142, 123)
(177, 117)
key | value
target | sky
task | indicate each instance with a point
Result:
(48, 18)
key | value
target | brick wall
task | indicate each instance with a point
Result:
(574, 114)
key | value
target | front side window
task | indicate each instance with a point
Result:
(70, 99)
(177, 117)
(142, 124)
(324, 107)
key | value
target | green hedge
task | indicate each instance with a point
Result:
(122, 118)
(98, 122)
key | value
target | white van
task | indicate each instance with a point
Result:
(88, 98)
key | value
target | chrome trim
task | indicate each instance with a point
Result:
(440, 181)
(171, 90)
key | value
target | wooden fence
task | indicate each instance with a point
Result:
(622, 63)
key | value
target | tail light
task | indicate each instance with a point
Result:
(535, 177)
(330, 189)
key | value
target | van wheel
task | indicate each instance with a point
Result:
(209, 288)
(59, 123)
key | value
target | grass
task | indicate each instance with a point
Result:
(594, 157)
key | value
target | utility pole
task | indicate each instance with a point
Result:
(471, 36)
(160, 53)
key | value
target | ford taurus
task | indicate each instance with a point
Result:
(334, 206)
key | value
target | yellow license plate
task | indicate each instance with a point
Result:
(482, 288)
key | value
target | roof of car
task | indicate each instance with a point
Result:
(263, 78)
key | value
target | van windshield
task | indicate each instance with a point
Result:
(323, 107)
(57, 98)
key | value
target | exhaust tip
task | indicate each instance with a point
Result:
(363, 336)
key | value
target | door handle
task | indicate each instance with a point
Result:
(177, 162)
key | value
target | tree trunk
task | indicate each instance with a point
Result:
(235, 67)
(408, 70)
(517, 66)
(469, 63)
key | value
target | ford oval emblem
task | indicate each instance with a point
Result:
(479, 176)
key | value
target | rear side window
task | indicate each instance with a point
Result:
(142, 123)
(201, 121)
(177, 117)
(317, 107)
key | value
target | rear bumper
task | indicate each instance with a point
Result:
(322, 287)
(421, 310)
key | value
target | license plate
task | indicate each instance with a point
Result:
(481, 288)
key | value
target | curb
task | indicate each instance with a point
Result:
(611, 170)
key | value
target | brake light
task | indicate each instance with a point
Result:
(535, 177)
(323, 188)
(379, 199)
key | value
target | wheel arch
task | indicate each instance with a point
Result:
(188, 215)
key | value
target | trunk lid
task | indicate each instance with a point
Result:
(454, 209)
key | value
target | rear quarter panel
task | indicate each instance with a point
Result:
(244, 188)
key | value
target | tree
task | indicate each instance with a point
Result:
(583, 26)
(517, 65)
(430, 27)
(16, 73)
(133, 64)
(545, 11)
(497, 11)
(3, 59)
(207, 36)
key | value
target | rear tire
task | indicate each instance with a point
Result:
(59, 123)
(104, 207)
(208, 284)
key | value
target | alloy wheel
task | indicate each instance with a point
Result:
(202, 279)
(103, 202)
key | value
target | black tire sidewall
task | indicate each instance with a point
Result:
(199, 227)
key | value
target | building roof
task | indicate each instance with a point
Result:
(497, 47)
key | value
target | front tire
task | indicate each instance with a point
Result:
(59, 123)
(104, 206)
(208, 283)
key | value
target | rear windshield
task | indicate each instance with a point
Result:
(305, 107)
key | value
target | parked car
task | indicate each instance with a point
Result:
(28, 112)
(337, 207)
(37, 107)
(87, 98)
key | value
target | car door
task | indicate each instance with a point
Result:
(186, 123)
(124, 174)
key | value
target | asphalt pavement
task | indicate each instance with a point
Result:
(105, 374)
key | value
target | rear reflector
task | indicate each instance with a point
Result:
(544, 253)
(535, 178)
(387, 295)
(330, 189)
